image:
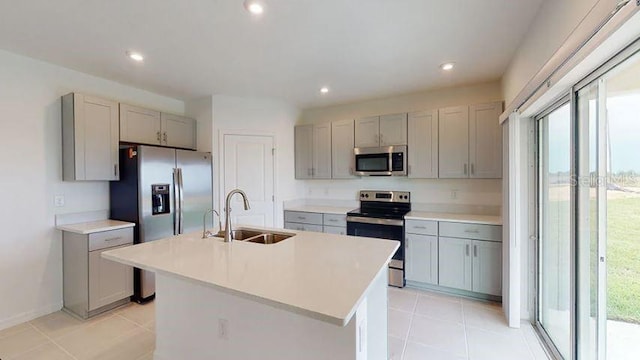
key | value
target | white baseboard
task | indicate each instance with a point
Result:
(30, 315)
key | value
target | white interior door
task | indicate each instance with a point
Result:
(247, 164)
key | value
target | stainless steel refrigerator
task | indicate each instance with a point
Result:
(165, 192)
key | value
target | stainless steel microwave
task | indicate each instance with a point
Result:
(381, 161)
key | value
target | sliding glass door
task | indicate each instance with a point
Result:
(554, 282)
(588, 289)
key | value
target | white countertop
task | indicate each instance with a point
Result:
(95, 226)
(322, 276)
(338, 210)
(464, 218)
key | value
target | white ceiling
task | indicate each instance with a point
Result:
(359, 48)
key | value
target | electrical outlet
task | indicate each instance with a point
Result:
(454, 194)
(223, 329)
(58, 200)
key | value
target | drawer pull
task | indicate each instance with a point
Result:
(302, 218)
(113, 239)
(420, 227)
(472, 231)
(333, 220)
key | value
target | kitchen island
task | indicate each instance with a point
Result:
(311, 296)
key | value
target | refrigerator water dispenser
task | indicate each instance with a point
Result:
(160, 199)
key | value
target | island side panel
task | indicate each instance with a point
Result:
(377, 317)
(189, 318)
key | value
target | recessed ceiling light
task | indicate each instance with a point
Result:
(254, 7)
(447, 66)
(135, 56)
(324, 90)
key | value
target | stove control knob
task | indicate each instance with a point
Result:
(361, 195)
(366, 195)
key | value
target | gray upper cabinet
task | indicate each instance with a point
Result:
(485, 141)
(313, 151)
(178, 131)
(385, 130)
(304, 151)
(139, 125)
(453, 137)
(393, 129)
(422, 145)
(367, 132)
(470, 142)
(342, 144)
(144, 126)
(90, 132)
(322, 151)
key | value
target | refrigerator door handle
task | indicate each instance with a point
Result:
(176, 202)
(181, 185)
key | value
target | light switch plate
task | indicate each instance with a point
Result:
(58, 200)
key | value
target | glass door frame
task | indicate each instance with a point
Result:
(551, 346)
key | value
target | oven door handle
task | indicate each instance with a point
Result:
(375, 221)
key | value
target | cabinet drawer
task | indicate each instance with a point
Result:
(471, 231)
(335, 220)
(303, 217)
(338, 230)
(302, 227)
(422, 227)
(107, 239)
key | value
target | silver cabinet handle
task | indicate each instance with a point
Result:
(164, 137)
(113, 239)
(465, 169)
(472, 231)
(420, 227)
(302, 218)
(472, 169)
(332, 220)
(158, 137)
(475, 250)
(381, 139)
(467, 249)
(115, 170)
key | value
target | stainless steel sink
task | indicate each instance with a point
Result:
(257, 236)
(269, 238)
(241, 234)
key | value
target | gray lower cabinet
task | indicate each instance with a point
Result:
(317, 222)
(91, 283)
(459, 256)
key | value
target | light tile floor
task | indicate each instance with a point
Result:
(422, 325)
(428, 325)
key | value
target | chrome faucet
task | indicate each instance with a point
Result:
(206, 233)
(228, 232)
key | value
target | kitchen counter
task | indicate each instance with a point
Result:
(95, 226)
(450, 217)
(337, 210)
(314, 296)
(322, 276)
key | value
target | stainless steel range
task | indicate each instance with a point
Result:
(381, 215)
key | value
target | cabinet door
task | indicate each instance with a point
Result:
(453, 136)
(422, 145)
(367, 131)
(422, 258)
(139, 125)
(338, 230)
(321, 152)
(304, 151)
(178, 131)
(393, 129)
(342, 144)
(109, 281)
(487, 267)
(485, 141)
(455, 263)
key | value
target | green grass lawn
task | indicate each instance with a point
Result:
(623, 259)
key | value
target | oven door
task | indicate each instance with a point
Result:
(378, 228)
